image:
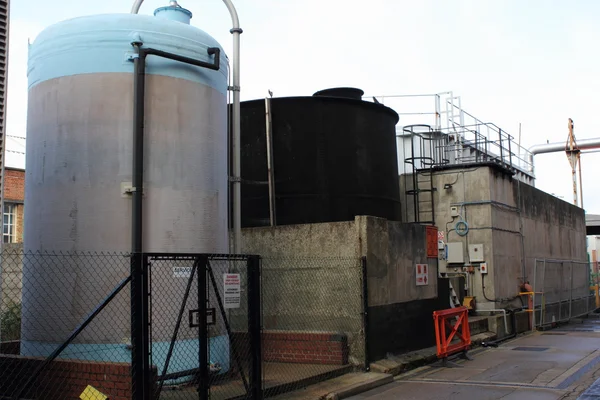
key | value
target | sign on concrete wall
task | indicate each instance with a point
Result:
(422, 274)
(231, 283)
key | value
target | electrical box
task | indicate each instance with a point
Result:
(455, 253)
(476, 253)
(441, 245)
(483, 268)
(454, 211)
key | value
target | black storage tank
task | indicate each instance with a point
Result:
(334, 158)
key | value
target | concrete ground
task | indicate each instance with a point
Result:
(277, 378)
(558, 364)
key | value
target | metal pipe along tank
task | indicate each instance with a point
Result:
(236, 31)
(80, 118)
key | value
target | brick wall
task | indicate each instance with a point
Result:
(305, 348)
(65, 379)
(298, 347)
(14, 192)
(14, 184)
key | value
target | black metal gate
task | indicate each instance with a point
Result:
(203, 318)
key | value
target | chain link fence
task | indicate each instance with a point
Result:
(66, 318)
(184, 292)
(64, 325)
(312, 320)
(562, 291)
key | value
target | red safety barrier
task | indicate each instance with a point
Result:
(445, 332)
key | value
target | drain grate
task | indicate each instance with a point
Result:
(554, 333)
(525, 348)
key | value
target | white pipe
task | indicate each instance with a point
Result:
(236, 32)
(555, 147)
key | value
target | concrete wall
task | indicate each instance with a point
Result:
(516, 223)
(312, 277)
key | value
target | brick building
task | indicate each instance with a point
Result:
(14, 196)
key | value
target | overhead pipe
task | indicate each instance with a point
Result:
(236, 31)
(585, 144)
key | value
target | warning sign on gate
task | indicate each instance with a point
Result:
(422, 274)
(231, 283)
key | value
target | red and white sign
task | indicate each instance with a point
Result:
(422, 274)
(231, 283)
(441, 235)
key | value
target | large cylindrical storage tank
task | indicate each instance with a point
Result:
(334, 158)
(79, 165)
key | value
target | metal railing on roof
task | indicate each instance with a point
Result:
(470, 139)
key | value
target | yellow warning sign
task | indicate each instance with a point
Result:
(92, 394)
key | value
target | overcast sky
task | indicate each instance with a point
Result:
(532, 62)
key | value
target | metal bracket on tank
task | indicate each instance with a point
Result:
(127, 190)
(131, 56)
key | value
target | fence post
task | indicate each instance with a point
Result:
(544, 299)
(365, 295)
(560, 292)
(138, 358)
(147, 375)
(571, 293)
(203, 377)
(533, 319)
(255, 327)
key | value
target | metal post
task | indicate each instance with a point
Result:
(147, 376)
(533, 297)
(138, 358)
(500, 144)
(560, 295)
(580, 179)
(270, 172)
(509, 151)
(571, 292)
(203, 377)
(255, 327)
(365, 295)
(543, 290)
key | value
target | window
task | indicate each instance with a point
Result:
(10, 219)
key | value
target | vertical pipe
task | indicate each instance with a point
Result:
(138, 358)
(255, 327)
(236, 31)
(203, 384)
(270, 172)
(580, 179)
(236, 142)
(365, 305)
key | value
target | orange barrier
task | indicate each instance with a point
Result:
(445, 332)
